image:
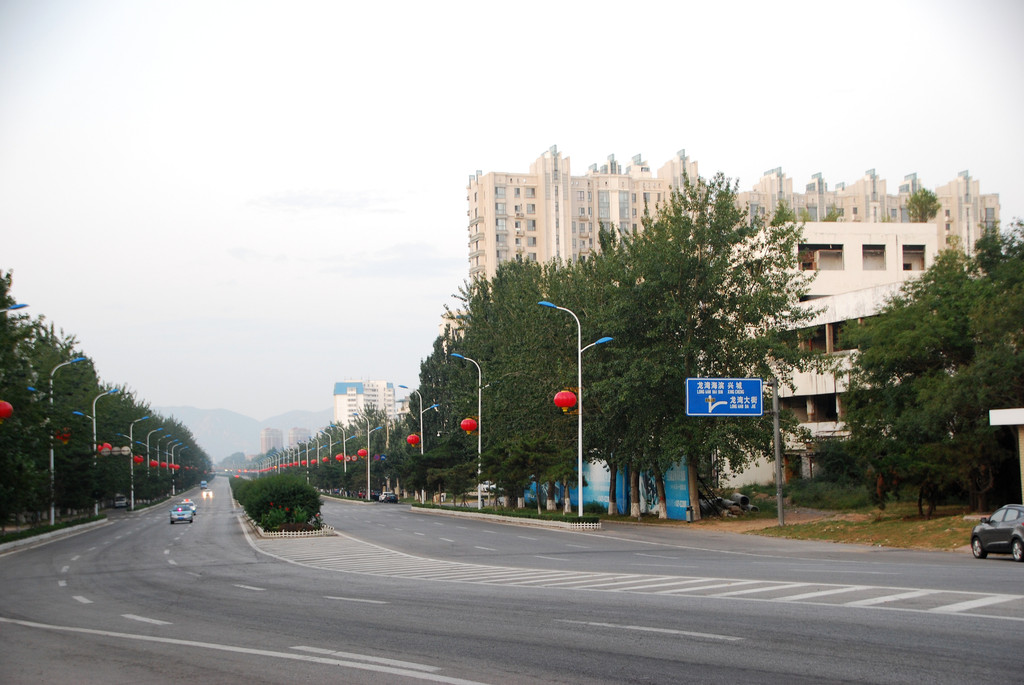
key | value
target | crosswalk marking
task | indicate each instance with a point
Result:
(349, 555)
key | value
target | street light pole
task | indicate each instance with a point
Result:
(53, 513)
(368, 431)
(479, 424)
(579, 396)
(148, 457)
(131, 458)
(95, 452)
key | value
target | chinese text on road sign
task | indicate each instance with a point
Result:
(723, 397)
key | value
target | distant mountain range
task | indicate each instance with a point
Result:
(222, 433)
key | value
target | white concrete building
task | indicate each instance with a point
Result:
(353, 396)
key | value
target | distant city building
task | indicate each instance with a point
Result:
(547, 213)
(352, 397)
(297, 436)
(271, 439)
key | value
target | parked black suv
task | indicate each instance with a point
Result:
(1000, 533)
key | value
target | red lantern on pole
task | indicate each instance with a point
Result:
(104, 449)
(413, 439)
(338, 457)
(565, 400)
(468, 425)
(153, 463)
(6, 411)
(137, 459)
(163, 464)
(362, 452)
(323, 459)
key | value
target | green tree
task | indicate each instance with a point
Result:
(929, 367)
(700, 292)
(784, 214)
(922, 206)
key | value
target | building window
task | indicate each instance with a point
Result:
(532, 256)
(499, 191)
(516, 191)
(500, 224)
(531, 192)
(583, 211)
(531, 241)
(531, 209)
(499, 207)
(913, 257)
(581, 196)
(531, 224)
(604, 210)
(821, 257)
(873, 257)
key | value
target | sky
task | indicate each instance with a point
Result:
(234, 205)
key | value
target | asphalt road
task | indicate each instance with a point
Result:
(404, 597)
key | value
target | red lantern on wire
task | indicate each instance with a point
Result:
(6, 411)
(362, 453)
(413, 439)
(565, 400)
(468, 425)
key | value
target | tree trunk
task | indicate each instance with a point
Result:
(659, 482)
(566, 500)
(634, 493)
(613, 506)
(551, 506)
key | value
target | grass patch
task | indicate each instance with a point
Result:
(899, 525)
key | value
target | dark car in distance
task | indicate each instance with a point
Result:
(1000, 533)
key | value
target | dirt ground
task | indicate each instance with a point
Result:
(742, 524)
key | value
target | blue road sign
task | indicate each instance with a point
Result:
(724, 397)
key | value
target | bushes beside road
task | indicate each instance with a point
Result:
(281, 502)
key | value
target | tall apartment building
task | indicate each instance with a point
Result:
(297, 436)
(547, 213)
(352, 397)
(271, 439)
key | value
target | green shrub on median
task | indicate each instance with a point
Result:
(275, 502)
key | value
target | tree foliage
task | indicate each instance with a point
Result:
(940, 355)
(33, 356)
(923, 206)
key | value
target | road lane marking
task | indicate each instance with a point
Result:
(446, 539)
(822, 593)
(708, 587)
(354, 599)
(768, 588)
(656, 556)
(250, 587)
(65, 569)
(370, 659)
(891, 598)
(143, 619)
(973, 604)
(651, 629)
(416, 532)
(172, 562)
(62, 583)
(75, 558)
(83, 600)
(308, 658)
(486, 549)
(548, 558)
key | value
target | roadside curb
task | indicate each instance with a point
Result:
(35, 540)
(509, 520)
